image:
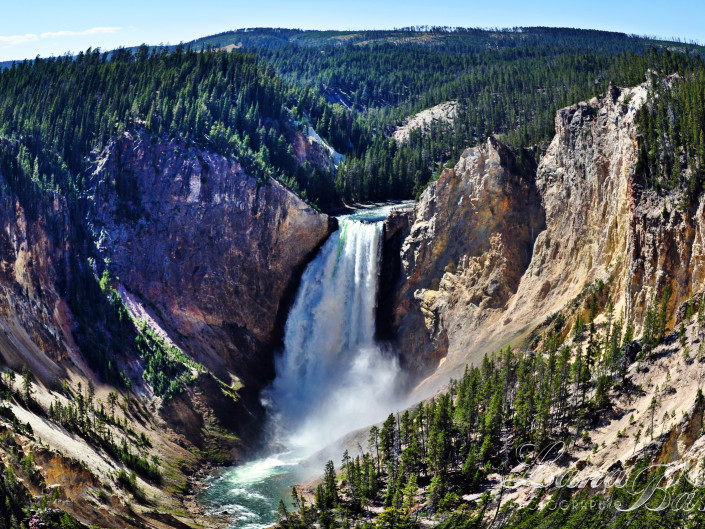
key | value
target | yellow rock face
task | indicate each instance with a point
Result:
(491, 251)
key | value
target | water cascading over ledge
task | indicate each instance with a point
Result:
(333, 377)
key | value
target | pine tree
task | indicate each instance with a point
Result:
(27, 390)
(373, 443)
(330, 487)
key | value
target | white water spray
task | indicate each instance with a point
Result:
(333, 377)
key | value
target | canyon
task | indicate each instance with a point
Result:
(501, 247)
(210, 259)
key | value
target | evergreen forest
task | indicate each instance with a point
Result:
(248, 103)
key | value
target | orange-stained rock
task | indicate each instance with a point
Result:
(467, 247)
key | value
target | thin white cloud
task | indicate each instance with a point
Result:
(14, 40)
(92, 31)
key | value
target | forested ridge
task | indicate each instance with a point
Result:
(353, 88)
(230, 103)
(508, 82)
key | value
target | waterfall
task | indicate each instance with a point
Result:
(333, 377)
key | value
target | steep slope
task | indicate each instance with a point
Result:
(601, 224)
(34, 247)
(191, 235)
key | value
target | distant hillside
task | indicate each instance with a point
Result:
(356, 88)
(507, 82)
(477, 38)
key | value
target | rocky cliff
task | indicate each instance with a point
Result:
(214, 252)
(465, 253)
(491, 252)
(35, 244)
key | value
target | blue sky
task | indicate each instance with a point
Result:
(42, 27)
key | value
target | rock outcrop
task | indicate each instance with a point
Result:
(213, 251)
(479, 270)
(444, 114)
(465, 252)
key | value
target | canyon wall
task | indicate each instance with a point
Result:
(213, 251)
(467, 247)
(35, 323)
(490, 252)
